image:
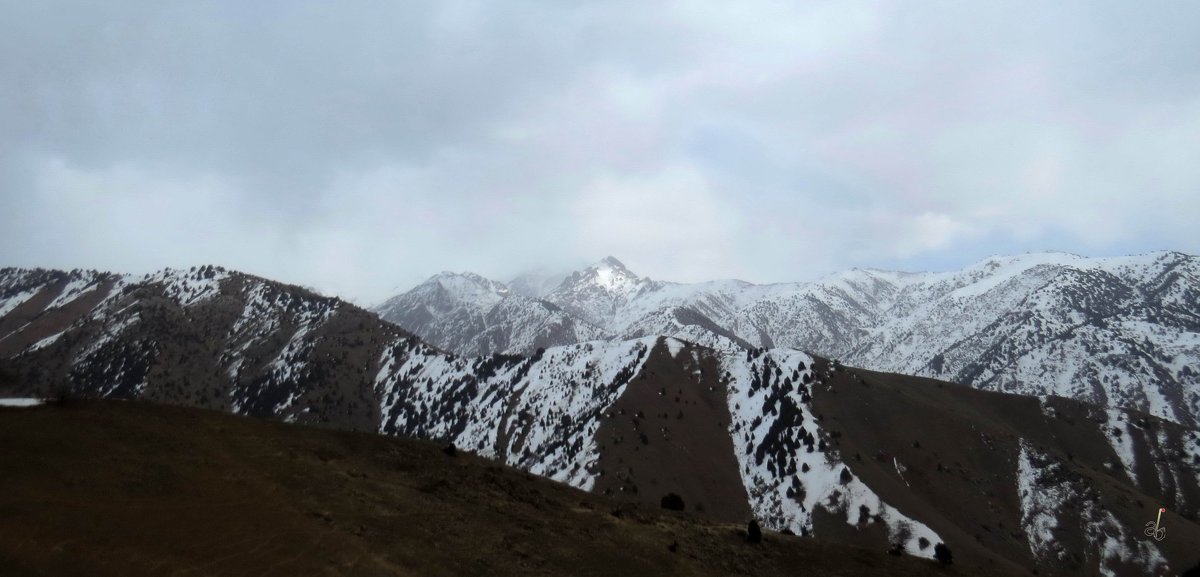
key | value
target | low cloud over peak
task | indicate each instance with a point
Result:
(359, 147)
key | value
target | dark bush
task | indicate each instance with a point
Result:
(672, 501)
(753, 532)
(942, 553)
(450, 450)
(846, 476)
(62, 395)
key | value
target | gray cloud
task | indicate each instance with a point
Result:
(360, 147)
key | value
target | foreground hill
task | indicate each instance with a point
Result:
(122, 489)
(869, 459)
(1120, 332)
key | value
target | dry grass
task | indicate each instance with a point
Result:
(117, 488)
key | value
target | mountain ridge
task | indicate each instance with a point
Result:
(1004, 323)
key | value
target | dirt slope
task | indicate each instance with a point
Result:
(120, 488)
(948, 454)
(668, 433)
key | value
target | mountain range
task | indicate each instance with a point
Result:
(738, 430)
(1122, 332)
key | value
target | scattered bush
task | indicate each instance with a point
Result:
(846, 475)
(753, 532)
(62, 395)
(942, 553)
(672, 502)
(902, 536)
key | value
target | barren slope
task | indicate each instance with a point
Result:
(127, 489)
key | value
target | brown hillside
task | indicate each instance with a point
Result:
(121, 488)
(958, 449)
(668, 433)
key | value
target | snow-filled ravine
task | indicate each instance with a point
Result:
(787, 467)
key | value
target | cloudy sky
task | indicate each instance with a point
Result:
(359, 147)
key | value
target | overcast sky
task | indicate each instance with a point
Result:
(359, 147)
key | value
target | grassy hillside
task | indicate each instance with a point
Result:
(124, 488)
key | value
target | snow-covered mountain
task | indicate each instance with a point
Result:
(1122, 332)
(471, 315)
(599, 293)
(799, 443)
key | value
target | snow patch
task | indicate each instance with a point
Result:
(1116, 432)
(540, 414)
(73, 290)
(674, 346)
(1051, 494)
(291, 365)
(787, 467)
(1047, 409)
(43, 343)
(12, 302)
(20, 402)
(1039, 506)
(109, 331)
(189, 287)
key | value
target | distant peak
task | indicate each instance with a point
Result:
(611, 262)
(449, 274)
(460, 282)
(608, 273)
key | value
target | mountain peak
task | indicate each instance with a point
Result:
(611, 275)
(611, 262)
(597, 292)
(467, 287)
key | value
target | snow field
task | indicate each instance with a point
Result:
(549, 409)
(1048, 493)
(20, 402)
(785, 470)
(1116, 432)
